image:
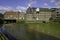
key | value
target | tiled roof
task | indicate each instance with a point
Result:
(11, 13)
(41, 9)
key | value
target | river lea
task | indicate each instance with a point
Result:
(20, 32)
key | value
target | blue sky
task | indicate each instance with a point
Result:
(22, 5)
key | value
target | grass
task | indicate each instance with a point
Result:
(47, 28)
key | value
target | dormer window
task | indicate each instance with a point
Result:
(37, 9)
(53, 10)
(57, 12)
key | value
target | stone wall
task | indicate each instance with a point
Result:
(42, 16)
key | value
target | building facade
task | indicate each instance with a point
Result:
(34, 14)
(38, 14)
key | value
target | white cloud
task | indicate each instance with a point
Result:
(21, 8)
(56, 3)
(18, 8)
(52, 1)
(45, 5)
(31, 2)
(6, 8)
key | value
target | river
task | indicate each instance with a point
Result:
(20, 33)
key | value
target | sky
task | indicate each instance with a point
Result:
(22, 5)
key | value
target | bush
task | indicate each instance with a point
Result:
(21, 22)
(56, 20)
(1, 21)
(51, 19)
(44, 21)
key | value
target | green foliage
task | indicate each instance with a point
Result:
(1, 21)
(21, 22)
(51, 19)
(54, 20)
(44, 21)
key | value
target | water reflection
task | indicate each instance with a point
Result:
(4, 32)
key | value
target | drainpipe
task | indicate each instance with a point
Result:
(18, 16)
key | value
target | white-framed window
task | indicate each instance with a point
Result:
(20, 18)
(7, 17)
(15, 17)
(11, 15)
(23, 17)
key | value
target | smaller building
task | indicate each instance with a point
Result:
(11, 15)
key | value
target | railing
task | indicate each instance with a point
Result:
(3, 37)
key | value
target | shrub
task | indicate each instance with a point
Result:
(51, 19)
(1, 21)
(21, 22)
(44, 21)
